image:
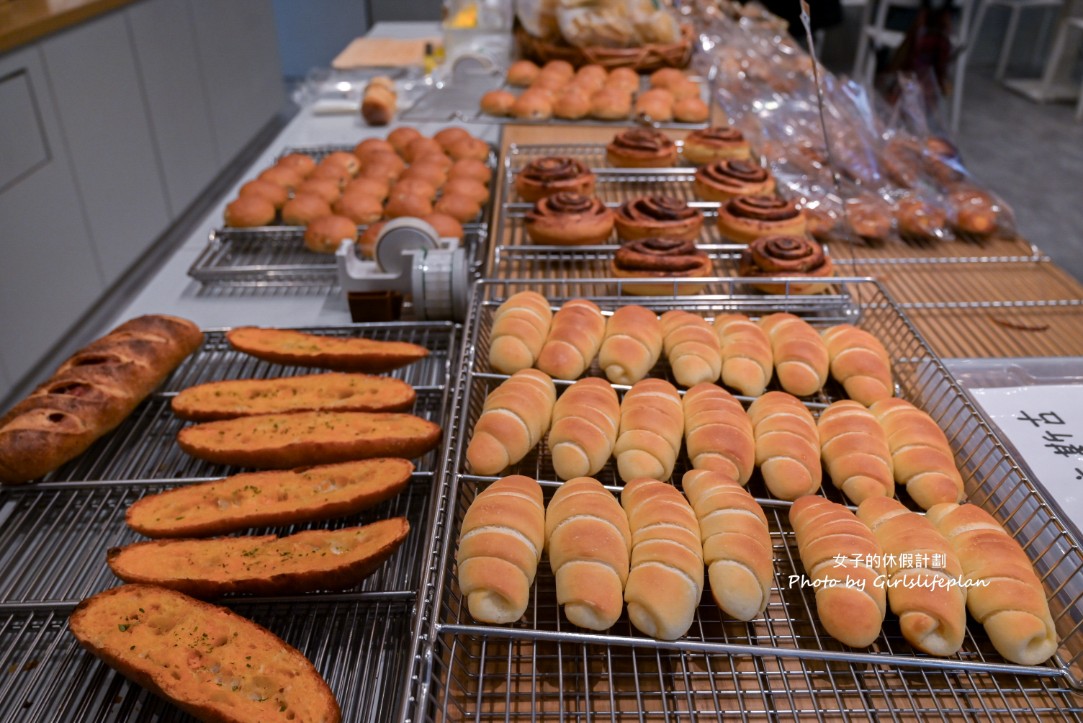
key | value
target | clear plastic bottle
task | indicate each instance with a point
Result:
(479, 27)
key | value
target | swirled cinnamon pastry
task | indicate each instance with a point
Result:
(641, 148)
(786, 256)
(663, 259)
(568, 219)
(745, 218)
(553, 174)
(648, 216)
(715, 144)
(723, 180)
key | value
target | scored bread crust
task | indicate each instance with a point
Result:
(353, 354)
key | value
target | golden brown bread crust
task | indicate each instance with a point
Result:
(801, 359)
(631, 345)
(263, 499)
(787, 445)
(717, 432)
(513, 419)
(691, 347)
(573, 340)
(585, 422)
(859, 362)
(921, 457)
(854, 451)
(285, 441)
(747, 360)
(520, 326)
(354, 354)
(651, 428)
(91, 393)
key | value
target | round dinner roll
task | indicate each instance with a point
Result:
(560, 68)
(304, 208)
(460, 207)
(666, 77)
(549, 84)
(343, 158)
(592, 75)
(326, 233)
(522, 73)
(414, 186)
(325, 188)
(288, 178)
(420, 147)
(468, 147)
(249, 211)
(433, 158)
(532, 105)
(445, 225)
(273, 192)
(497, 102)
(339, 174)
(371, 145)
(385, 166)
(430, 173)
(611, 104)
(623, 78)
(300, 162)
(446, 136)
(360, 208)
(407, 204)
(402, 137)
(471, 168)
(655, 105)
(375, 187)
(691, 110)
(469, 188)
(573, 103)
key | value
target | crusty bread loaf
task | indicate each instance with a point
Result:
(500, 545)
(263, 565)
(285, 441)
(589, 546)
(651, 426)
(718, 433)
(632, 344)
(736, 542)
(513, 420)
(787, 445)
(90, 394)
(854, 451)
(586, 418)
(573, 341)
(800, 355)
(379, 101)
(843, 560)
(520, 326)
(343, 354)
(263, 499)
(332, 391)
(923, 576)
(747, 362)
(665, 579)
(209, 661)
(921, 457)
(859, 362)
(1004, 593)
(691, 347)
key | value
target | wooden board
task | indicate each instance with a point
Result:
(382, 53)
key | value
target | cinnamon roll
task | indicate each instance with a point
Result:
(746, 218)
(723, 180)
(641, 148)
(664, 259)
(568, 219)
(715, 144)
(649, 216)
(553, 174)
(786, 256)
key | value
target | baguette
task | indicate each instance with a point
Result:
(90, 394)
(651, 426)
(736, 542)
(333, 391)
(843, 560)
(285, 441)
(585, 423)
(264, 565)
(718, 433)
(859, 362)
(632, 344)
(209, 661)
(787, 445)
(265, 499)
(801, 359)
(691, 347)
(665, 578)
(573, 341)
(923, 576)
(589, 546)
(921, 457)
(296, 348)
(747, 362)
(513, 420)
(520, 326)
(1005, 595)
(854, 451)
(500, 545)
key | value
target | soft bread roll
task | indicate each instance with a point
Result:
(691, 347)
(500, 544)
(787, 445)
(589, 546)
(574, 339)
(801, 359)
(920, 454)
(923, 576)
(585, 423)
(736, 542)
(1005, 595)
(859, 362)
(747, 362)
(665, 581)
(651, 426)
(842, 558)
(631, 345)
(513, 420)
(854, 451)
(520, 326)
(718, 433)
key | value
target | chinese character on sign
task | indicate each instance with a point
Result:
(1043, 418)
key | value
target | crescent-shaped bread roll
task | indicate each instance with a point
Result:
(665, 580)
(718, 433)
(573, 341)
(859, 362)
(1005, 595)
(692, 348)
(589, 546)
(787, 445)
(921, 457)
(586, 418)
(801, 359)
(843, 560)
(854, 451)
(520, 326)
(651, 426)
(513, 420)
(747, 361)
(500, 545)
(736, 542)
(632, 344)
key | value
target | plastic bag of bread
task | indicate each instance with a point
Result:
(538, 17)
(615, 23)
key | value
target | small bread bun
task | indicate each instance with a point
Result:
(401, 137)
(420, 147)
(611, 104)
(375, 187)
(249, 211)
(326, 188)
(343, 158)
(284, 176)
(591, 76)
(461, 208)
(304, 208)
(624, 79)
(522, 73)
(532, 105)
(387, 166)
(468, 187)
(300, 162)
(373, 145)
(414, 186)
(326, 233)
(441, 160)
(654, 105)
(407, 204)
(367, 243)
(265, 189)
(471, 168)
(691, 110)
(360, 208)
(666, 77)
(469, 147)
(685, 89)
(445, 225)
(333, 172)
(559, 68)
(446, 136)
(431, 174)
(550, 84)
(497, 102)
(573, 103)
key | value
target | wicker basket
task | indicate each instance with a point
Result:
(644, 59)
